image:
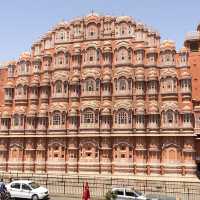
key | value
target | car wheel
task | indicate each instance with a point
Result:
(35, 197)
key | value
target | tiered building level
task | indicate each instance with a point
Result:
(99, 94)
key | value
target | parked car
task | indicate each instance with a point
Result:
(27, 190)
(128, 194)
(4, 194)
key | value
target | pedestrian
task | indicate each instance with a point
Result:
(86, 191)
(10, 179)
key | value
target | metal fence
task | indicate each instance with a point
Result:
(72, 185)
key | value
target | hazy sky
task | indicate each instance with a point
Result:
(23, 21)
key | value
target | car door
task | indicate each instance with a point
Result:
(26, 191)
(130, 195)
(15, 190)
(120, 194)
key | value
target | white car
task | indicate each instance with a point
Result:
(27, 190)
(128, 194)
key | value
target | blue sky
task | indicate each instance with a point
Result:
(23, 21)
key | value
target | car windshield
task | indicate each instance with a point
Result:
(34, 185)
(138, 192)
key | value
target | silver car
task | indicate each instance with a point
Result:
(128, 194)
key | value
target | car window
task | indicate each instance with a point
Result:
(34, 185)
(138, 192)
(15, 185)
(131, 194)
(119, 192)
(25, 187)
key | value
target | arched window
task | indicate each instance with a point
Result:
(88, 116)
(90, 84)
(25, 88)
(16, 121)
(58, 86)
(123, 54)
(169, 84)
(68, 35)
(61, 36)
(19, 90)
(123, 29)
(56, 152)
(122, 84)
(23, 68)
(187, 118)
(92, 31)
(170, 116)
(65, 87)
(63, 117)
(60, 59)
(129, 54)
(10, 71)
(97, 84)
(92, 55)
(123, 117)
(56, 118)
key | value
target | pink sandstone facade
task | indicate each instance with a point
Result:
(99, 94)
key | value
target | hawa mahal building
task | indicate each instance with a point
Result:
(103, 95)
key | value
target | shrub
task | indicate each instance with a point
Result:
(110, 195)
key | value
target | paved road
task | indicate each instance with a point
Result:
(60, 197)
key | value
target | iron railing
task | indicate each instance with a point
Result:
(71, 186)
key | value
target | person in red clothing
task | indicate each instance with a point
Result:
(86, 191)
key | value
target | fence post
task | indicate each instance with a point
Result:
(64, 186)
(188, 193)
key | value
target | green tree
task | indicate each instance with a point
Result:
(110, 195)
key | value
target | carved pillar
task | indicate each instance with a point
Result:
(66, 169)
(112, 167)
(23, 154)
(46, 155)
(147, 159)
(161, 158)
(99, 155)
(77, 151)
(35, 147)
(7, 154)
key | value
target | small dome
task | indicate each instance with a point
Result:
(151, 50)
(92, 14)
(183, 50)
(140, 108)
(9, 84)
(152, 75)
(140, 25)
(106, 78)
(75, 79)
(123, 18)
(61, 24)
(185, 75)
(12, 62)
(77, 45)
(153, 108)
(6, 114)
(25, 55)
(44, 107)
(139, 47)
(105, 111)
(139, 74)
(186, 109)
(107, 46)
(168, 44)
(106, 104)
(73, 112)
(32, 110)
